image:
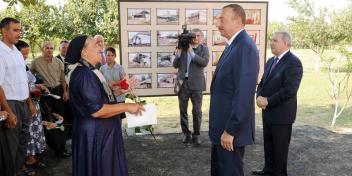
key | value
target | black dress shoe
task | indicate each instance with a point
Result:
(186, 139)
(262, 172)
(196, 140)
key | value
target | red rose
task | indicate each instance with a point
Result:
(35, 93)
(123, 84)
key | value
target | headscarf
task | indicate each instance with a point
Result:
(73, 56)
(75, 49)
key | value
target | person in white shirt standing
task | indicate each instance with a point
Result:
(14, 82)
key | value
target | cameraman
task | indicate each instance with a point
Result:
(190, 83)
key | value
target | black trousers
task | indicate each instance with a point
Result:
(226, 163)
(196, 98)
(7, 150)
(19, 136)
(276, 143)
(55, 138)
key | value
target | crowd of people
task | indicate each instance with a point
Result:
(75, 95)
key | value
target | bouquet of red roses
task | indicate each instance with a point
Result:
(123, 84)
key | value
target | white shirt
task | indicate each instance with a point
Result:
(282, 55)
(13, 75)
(233, 37)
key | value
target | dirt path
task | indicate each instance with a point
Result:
(314, 151)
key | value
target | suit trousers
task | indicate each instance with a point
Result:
(20, 137)
(196, 98)
(226, 163)
(276, 143)
(8, 150)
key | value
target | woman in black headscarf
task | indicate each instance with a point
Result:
(97, 144)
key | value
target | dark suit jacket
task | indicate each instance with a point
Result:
(196, 79)
(280, 87)
(232, 92)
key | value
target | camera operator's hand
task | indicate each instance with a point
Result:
(190, 49)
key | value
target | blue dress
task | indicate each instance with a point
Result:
(97, 144)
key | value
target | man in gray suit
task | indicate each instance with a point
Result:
(190, 84)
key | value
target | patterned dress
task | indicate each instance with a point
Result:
(36, 142)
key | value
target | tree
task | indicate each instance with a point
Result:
(339, 79)
(91, 17)
(39, 22)
(312, 29)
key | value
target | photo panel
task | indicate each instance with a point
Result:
(139, 39)
(216, 14)
(215, 57)
(139, 60)
(165, 59)
(167, 38)
(166, 80)
(138, 16)
(254, 35)
(167, 17)
(218, 40)
(253, 16)
(205, 37)
(196, 16)
(144, 80)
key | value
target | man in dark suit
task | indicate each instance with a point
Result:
(277, 96)
(191, 83)
(231, 116)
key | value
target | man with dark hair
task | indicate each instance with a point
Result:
(63, 50)
(14, 82)
(231, 116)
(190, 63)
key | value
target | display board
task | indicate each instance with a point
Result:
(149, 31)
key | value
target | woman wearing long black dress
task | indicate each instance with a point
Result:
(97, 144)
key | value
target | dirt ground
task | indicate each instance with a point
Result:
(314, 151)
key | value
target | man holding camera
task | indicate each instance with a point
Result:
(191, 58)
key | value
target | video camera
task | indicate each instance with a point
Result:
(185, 38)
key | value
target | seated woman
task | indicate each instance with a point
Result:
(97, 143)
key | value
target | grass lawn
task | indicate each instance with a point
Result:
(315, 107)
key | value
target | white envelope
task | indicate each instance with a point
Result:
(148, 117)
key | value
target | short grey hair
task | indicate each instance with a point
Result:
(197, 30)
(98, 36)
(45, 43)
(285, 36)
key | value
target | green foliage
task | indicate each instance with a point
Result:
(42, 22)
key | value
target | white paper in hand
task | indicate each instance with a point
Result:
(148, 117)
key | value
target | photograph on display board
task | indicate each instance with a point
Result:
(167, 16)
(138, 16)
(196, 16)
(139, 39)
(254, 35)
(218, 40)
(166, 80)
(205, 38)
(167, 38)
(144, 80)
(139, 60)
(215, 57)
(165, 59)
(216, 14)
(252, 16)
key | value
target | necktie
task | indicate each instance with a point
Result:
(274, 64)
